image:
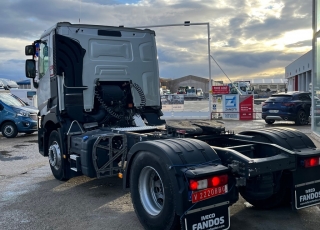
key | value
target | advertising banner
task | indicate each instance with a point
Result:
(217, 106)
(231, 107)
(172, 102)
(246, 107)
(220, 89)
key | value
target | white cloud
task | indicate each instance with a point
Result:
(247, 36)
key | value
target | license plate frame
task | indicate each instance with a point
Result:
(307, 194)
(211, 217)
(273, 111)
(208, 193)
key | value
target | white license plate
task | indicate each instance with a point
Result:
(273, 111)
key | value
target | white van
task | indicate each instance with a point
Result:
(26, 95)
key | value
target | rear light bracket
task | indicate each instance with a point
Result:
(204, 171)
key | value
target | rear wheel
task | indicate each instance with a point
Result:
(281, 196)
(9, 130)
(301, 118)
(152, 193)
(270, 121)
(55, 154)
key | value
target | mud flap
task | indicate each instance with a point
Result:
(306, 194)
(306, 189)
(211, 217)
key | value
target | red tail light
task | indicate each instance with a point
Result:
(211, 182)
(288, 104)
(311, 162)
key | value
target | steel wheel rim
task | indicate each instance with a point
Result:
(151, 191)
(8, 130)
(54, 155)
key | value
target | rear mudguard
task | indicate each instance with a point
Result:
(177, 154)
(304, 182)
(288, 138)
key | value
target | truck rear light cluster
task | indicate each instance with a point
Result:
(210, 182)
(311, 162)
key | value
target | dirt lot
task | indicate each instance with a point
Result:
(30, 198)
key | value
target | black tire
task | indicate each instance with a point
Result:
(270, 122)
(55, 155)
(301, 118)
(157, 214)
(282, 196)
(9, 130)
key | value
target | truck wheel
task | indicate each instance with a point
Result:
(152, 193)
(56, 160)
(278, 198)
(9, 130)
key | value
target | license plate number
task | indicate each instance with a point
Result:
(209, 218)
(273, 111)
(208, 193)
(307, 195)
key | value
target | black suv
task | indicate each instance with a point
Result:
(291, 106)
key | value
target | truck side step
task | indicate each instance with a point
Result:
(75, 163)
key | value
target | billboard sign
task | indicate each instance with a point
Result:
(246, 107)
(231, 107)
(220, 89)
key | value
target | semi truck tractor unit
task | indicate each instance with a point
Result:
(100, 116)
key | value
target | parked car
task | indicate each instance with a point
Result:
(290, 106)
(15, 116)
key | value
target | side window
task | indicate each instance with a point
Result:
(43, 60)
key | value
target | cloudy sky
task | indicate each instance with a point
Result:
(249, 38)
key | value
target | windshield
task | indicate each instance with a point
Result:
(191, 90)
(8, 99)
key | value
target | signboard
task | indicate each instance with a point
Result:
(307, 195)
(220, 89)
(172, 102)
(208, 218)
(246, 107)
(216, 106)
(231, 107)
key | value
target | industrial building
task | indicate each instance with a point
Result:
(190, 80)
(299, 73)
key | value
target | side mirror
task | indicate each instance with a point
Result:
(30, 50)
(30, 68)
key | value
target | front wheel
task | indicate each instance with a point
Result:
(152, 193)
(55, 154)
(9, 130)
